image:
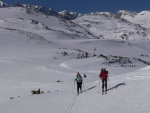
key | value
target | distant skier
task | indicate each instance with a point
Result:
(104, 75)
(79, 81)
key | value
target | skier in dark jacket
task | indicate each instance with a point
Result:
(104, 75)
(79, 81)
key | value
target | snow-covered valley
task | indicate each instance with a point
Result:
(45, 50)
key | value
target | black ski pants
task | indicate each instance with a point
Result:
(79, 86)
(104, 84)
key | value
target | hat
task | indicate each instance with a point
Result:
(103, 69)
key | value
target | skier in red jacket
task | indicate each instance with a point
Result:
(103, 75)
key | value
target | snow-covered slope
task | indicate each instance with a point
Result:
(104, 25)
(126, 94)
(52, 25)
(41, 50)
(142, 18)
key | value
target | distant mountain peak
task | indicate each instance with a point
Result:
(41, 9)
(124, 14)
(144, 12)
(2, 4)
(142, 18)
(70, 15)
(105, 14)
(48, 11)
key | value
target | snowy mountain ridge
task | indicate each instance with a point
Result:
(142, 18)
(70, 15)
(2, 4)
(64, 14)
(40, 50)
(125, 14)
(130, 16)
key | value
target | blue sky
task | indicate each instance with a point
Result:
(88, 6)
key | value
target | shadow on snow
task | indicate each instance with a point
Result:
(89, 88)
(116, 86)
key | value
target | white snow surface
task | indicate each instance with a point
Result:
(37, 51)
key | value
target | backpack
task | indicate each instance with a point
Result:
(79, 78)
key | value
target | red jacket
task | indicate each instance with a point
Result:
(103, 75)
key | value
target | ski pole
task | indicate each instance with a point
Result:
(99, 85)
(74, 87)
(82, 86)
(109, 83)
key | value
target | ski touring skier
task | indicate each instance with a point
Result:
(79, 81)
(104, 75)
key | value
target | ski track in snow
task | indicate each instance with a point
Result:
(89, 98)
